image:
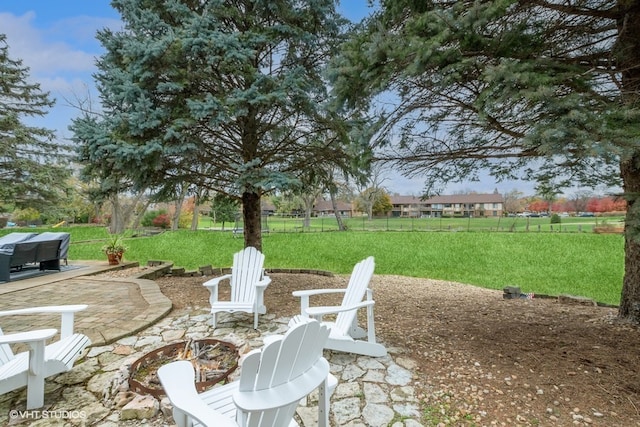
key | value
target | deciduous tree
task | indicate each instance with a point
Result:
(579, 200)
(513, 201)
(224, 209)
(374, 201)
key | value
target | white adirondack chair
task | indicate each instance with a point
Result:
(272, 382)
(30, 368)
(248, 282)
(345, 334)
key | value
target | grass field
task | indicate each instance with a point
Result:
(514, 224)
(585, 263)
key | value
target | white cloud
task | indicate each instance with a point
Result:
(42, 54)
(60, 57)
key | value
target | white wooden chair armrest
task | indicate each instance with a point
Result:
(305, 294)
(318, 312)
(178, 380)
(266, 280)
(310, 292)
(37, 340)
(46, 309)
(215, 281)
(28, 337)
(67, 313)
(212, 285)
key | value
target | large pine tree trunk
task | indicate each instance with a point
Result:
(628, 58)
(251, 216)
(630, 299)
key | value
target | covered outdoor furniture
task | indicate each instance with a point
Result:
(345, 334)
(30, 368)
(20, 249)
(272, 382)
(65, 241)
(247, 281)
(7, 242)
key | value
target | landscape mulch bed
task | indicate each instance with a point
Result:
(481, 359)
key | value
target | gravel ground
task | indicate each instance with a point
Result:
(483, 360)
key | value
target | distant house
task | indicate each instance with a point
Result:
(325, 208)
(267, 208)
(465, 205)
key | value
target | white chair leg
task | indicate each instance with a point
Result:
(324, 393)
(371, 327)
(180, 418)
(35, 378)
(356, 331)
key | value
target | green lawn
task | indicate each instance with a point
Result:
(279, 224)
(585, 264)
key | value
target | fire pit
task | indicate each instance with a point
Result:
(213, 361)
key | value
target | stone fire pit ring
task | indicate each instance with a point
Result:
(149, 363)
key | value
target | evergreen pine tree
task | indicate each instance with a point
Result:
(32, 163)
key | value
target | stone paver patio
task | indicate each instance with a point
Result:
(130, 317)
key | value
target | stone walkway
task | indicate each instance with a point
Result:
(118, 307)
(128, 318)
(371, 391)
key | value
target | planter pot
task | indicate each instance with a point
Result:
(114, 259)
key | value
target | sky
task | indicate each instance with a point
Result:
(56, 40)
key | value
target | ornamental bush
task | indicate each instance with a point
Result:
(150, 216)
(162, 221)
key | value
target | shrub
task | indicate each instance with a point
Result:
(150, 216)
(27, 216)
(162, 221)
(185, 220)
(555, 219)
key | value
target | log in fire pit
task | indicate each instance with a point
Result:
(213, 361)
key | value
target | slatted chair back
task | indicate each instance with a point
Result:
(247, 270)
(272, 382)
(290, 369)
(6, 354)
(355, 293)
